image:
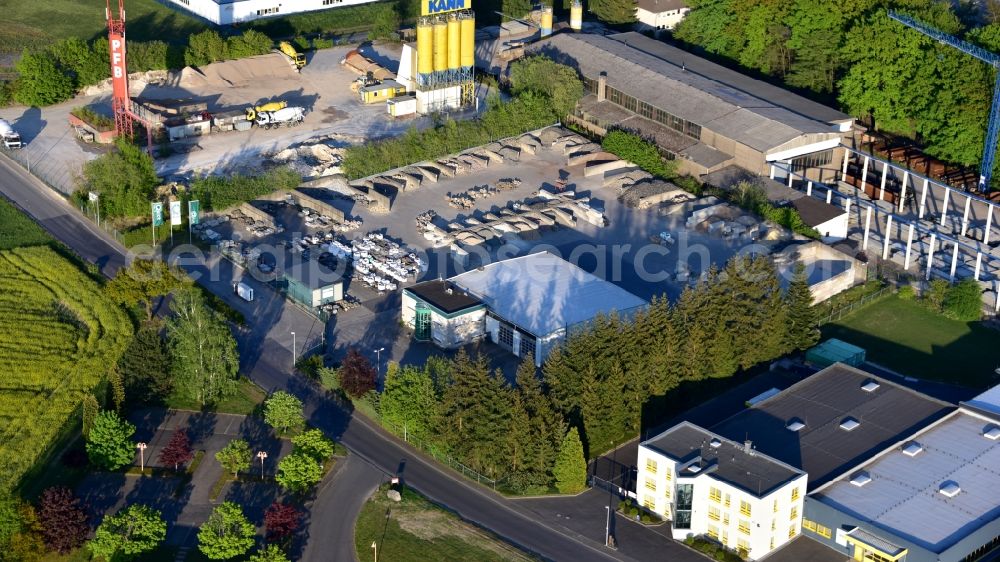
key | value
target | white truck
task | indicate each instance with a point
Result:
(288, 116)
(10, 138)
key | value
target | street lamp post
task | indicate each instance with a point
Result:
(294, 357)
(262, 455)
(378, 360)
(375, 550)
(142, 460)
(607, 527)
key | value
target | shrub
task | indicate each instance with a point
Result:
(936, 293)
(639, 151)
(91, 117)
(907, 293)
(218, 193)
(964, 301)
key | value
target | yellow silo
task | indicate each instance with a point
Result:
(576, 15)
(454, 43)
(468, 43)
(425, 46)
(546, 21)
(440, 45)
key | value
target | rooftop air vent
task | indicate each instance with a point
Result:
(950, 489)
(849, 424)
(991, 432)
(694, 469)
(715, 443)
(870, 386)
(860, 478)
(795, 424)
(912, 448)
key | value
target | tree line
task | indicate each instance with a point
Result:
(534, 434)
(875, 67)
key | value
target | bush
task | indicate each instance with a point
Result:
(337, 20)
(639, 151)
(964, 301)
(41, 82)
(125, 179)
(543, 76)
(936, 294)
(218, 193)
(94, 119)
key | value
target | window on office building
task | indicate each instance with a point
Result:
(713, 513)
(714, 494)
(795, 494)
(743, 547)
(744, 526)
(649, 502)
(745, 508)
(331, 2)
(651, 484)
(794, 514)
(713, 532)
(267, 11)
(651, 466)
(803, 163)
(791, 532)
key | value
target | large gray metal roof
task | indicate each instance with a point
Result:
(823, 402)
(727, 461)
(543, 293)
(635, 66)
(903, 495)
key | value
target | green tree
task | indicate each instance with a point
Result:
(143, 281)
(88, 64)
(639, 151)
(90, 409)
(269, 553)
(226, 534)
(248, 44)
(314, 444)
(144, 56)
(545, 426)
(235, 456)
(570, 470)
(385, 24)
(40, 81)
(109, 443)
(145, 366)
(136, 529)
(298, 472)
(803, 330)
(936, 294)
(205, 48)
(614, 12)
(540, 75)
(516, 9)
(125, 179)
(408, 399)
(283, 411)
(21, 534)
(203, 353)
(964, 301)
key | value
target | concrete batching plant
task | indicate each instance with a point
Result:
(439, 68)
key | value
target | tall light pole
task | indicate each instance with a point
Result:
(142, 460)
(378, 360)
(375, 550)
(262, 455)
(294, 357)
(607, 527)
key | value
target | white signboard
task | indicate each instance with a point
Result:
(175, 213)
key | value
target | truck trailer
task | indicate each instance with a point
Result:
(10, 138)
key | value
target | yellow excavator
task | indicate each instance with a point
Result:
(270, 106)
(297, 59)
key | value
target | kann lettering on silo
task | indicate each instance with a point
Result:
(442, 6)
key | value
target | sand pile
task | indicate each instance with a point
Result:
(238, 72)
(316, 158)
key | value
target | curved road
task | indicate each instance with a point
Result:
(265, 357)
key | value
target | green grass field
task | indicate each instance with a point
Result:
(906, 337)
(18, 230)
(416, 530)
(29, 23)
(244, 401)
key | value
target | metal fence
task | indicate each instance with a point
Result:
(53, 171)
(839, 313)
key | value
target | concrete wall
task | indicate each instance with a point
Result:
(833, 230)
(319, 206)
(246, 10)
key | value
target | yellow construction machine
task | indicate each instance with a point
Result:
(297, 59)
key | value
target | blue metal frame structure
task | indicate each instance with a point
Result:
(992, 59)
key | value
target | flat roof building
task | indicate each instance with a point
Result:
(439, 312)
(834, 420)
(226, 12)
(705, 115)
(934, 496)
(728, 491)
(660, 14)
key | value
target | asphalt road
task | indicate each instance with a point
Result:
(265, 358)
(336, 508)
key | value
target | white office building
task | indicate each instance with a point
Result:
(227, 12)
(660, 14)
(727, 491)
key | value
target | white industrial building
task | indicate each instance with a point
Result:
(727, 491)
(660, 14)
(227, 12)
(526, 304)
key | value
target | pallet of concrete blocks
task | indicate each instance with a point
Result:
(461, 201)
(508, 184)
(424, 219)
